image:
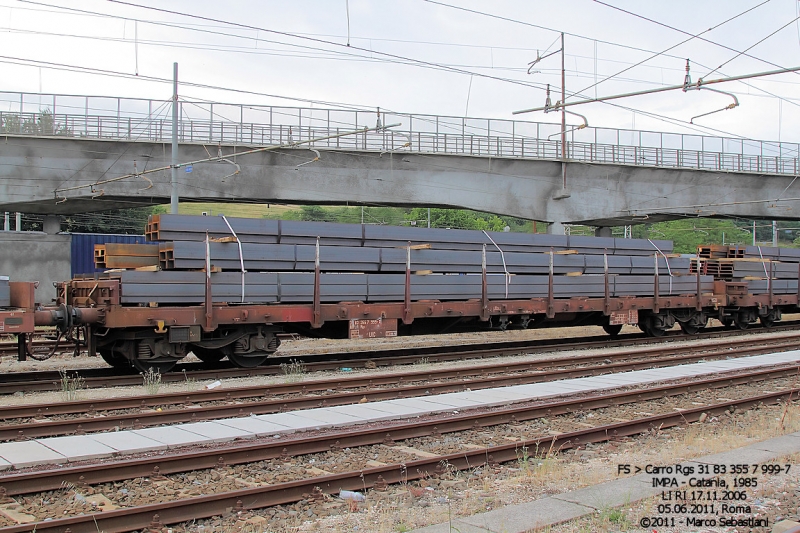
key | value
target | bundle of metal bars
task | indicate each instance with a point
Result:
(295, 287)
(779, 286)
(5, 292)
(787, 255)
(186, 255)
(744, 269)
(117, 255)
(247, 230)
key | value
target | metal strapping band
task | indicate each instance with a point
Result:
(666, 260)
(241, 256)
(763, 264)
(503, 257)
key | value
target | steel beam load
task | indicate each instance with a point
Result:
(119, 255)
(185, 255)
(178, 287)
(5, 292)
(195, 228)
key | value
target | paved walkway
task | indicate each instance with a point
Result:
(554, 510)
(60, 450)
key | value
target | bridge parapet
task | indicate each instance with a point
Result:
(140, 120)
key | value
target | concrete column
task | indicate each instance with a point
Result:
(555, 228)
(602, 231)
(51, 224)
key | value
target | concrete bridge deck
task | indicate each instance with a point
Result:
(62, 154)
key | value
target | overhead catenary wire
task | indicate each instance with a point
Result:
(658, 117)
(691, 37)
(687, 33)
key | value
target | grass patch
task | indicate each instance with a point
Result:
(151, 381)
(294, 370)
(71, 385)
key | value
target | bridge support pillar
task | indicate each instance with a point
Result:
(555, 228)
(603, 231)
(51, 224)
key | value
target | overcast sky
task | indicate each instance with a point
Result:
(420, 56)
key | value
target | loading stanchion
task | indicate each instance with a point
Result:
(209, 302)
(316, 321)
(699, 304)
(656, 307)
(551, 305)
(407, 294)
(769, 283)
(484, 288)
(607, 293)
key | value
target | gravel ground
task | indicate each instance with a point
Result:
(457, 493)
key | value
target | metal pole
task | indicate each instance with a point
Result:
(775, 233)
(7, 223)
(563, 117)
(429, 217)
(754, 233)
(669, 88)
(18, 221)
(174, 180)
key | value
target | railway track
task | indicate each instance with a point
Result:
(79, 417)
(39, 381)
(377, 477)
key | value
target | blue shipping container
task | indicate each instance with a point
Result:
(82, 250)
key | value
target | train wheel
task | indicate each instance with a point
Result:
(113, 359)
(248, 361)
(767, 322)
(652, 330)
(741, 324)
(688, 328)
(727, 323)
(612, 329)
(207, 355)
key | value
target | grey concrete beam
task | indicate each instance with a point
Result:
(32, 170)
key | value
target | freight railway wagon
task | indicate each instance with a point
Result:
(223, 288)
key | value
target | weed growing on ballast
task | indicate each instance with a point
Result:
(151, 381)
(70, 385)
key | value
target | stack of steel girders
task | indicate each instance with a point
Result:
(194, 228)
(185, 255)
(779, 286)
(295, 287)
(122, 255)
(788, 255)
(5, 292)
(270, 261)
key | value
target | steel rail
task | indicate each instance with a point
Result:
(532, 374)
(428, 375)
(104, 377)
(302, 443)
(155, 515)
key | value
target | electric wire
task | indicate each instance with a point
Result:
(691, 37)
(687, 33)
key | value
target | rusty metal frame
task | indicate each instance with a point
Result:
(607, 292)
(656, 302)
(407, 317)
(316, 321)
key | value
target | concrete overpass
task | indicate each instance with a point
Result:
(68, 160)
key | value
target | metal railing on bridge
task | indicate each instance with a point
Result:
(130, 119)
